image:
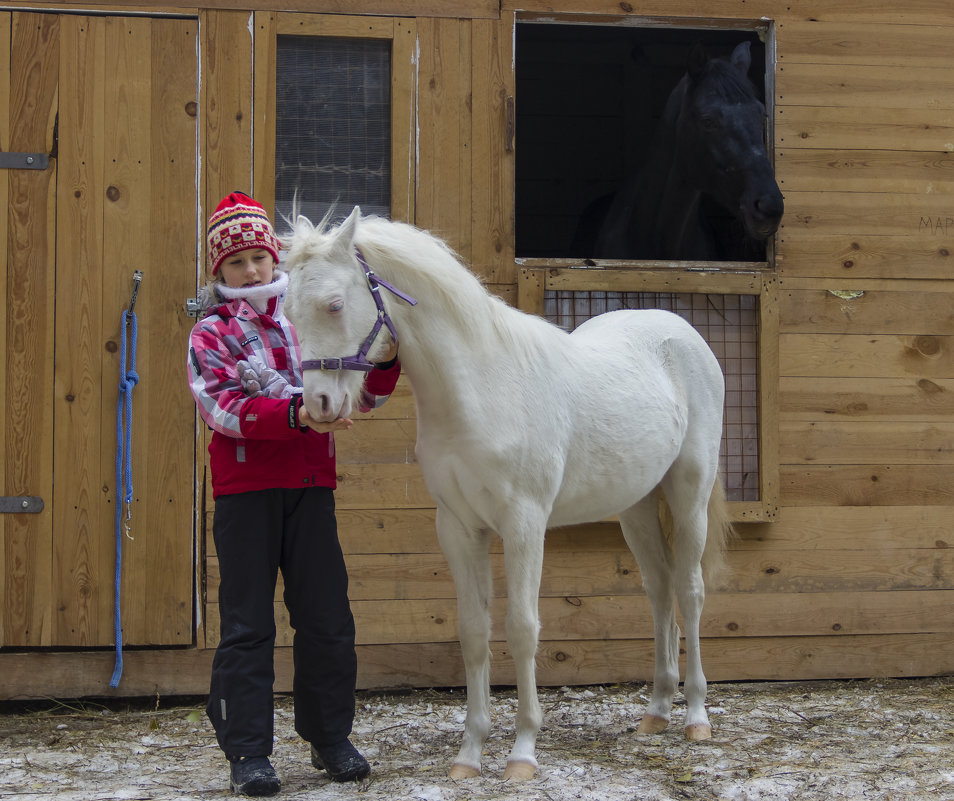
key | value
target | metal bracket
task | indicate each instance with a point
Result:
(24, 161)
(192, 307)
(20, 504)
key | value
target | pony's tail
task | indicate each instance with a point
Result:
(719, 535)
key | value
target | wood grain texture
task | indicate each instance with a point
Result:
(5, 23)
(883, 399)
(901, 307)
(82, 556)
(860, 86)
(862, 485)
(492, 164)
(866, 355)
(162, 609)
(927, 255)
(444, 138)
(609, 618)
(864, 42)
(838, 127)
(849, 170)
(28, 324)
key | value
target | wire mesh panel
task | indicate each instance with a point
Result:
(729, 323)
(333, 125)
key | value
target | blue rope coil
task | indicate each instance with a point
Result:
(124, 489)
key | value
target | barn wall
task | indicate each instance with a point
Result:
(855, 576)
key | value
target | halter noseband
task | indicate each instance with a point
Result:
(360, 360)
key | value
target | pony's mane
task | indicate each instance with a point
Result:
(434, 265)
(398, 251)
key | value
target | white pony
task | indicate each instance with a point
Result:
(524, 427)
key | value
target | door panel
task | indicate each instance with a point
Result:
(27, 457)
(126, 199)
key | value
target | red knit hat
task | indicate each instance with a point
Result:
(239, 223)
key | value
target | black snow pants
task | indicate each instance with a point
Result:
(256, 534)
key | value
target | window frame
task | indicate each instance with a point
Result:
(402, 33)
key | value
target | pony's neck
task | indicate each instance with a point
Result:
(454, 325)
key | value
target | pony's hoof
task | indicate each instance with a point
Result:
(519, 771)
(698, 731)
(458, 772)
(652, 724)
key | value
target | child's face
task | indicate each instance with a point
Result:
(253, 267)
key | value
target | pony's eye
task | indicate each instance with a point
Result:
(336, 306)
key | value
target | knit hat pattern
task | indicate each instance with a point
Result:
(239, 223)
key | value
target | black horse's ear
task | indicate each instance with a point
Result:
(742, 56)
(697, 61)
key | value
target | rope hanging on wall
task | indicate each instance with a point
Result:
(128, 378)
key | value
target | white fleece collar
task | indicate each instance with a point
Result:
(258, 296)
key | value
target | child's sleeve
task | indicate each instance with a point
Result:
(378, 386)
(221, 401)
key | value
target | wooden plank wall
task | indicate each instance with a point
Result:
(855, 578)
(28, 122)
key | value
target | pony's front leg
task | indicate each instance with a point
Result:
(523, 556)
(467, 554)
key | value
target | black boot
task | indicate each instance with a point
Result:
(253, 776)
(342, 761)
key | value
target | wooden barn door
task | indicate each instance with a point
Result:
(112, 103)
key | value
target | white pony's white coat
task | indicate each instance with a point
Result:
(521, 427)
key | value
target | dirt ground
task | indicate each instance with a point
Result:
(885, 739)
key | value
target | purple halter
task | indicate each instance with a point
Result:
(360, 360)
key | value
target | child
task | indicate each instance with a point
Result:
(273, 473)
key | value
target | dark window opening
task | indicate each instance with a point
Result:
(333, 126)
(589, 101)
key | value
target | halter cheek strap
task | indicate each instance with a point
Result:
(360, 360)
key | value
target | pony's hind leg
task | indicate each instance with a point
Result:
(467, 554)
(689, 496)
(644, 536)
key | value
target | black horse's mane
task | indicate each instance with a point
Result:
(728, 83)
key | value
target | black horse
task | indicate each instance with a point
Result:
(709, 147)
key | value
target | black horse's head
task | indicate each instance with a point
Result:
(721, 140)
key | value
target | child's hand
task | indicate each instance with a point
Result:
(306, 420)
(259, 379)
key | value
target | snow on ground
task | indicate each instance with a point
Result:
(886, 739)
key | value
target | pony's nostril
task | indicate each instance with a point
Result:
(325, 405)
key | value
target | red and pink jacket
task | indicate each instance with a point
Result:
(256, 443)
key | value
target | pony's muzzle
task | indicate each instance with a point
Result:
(325, 406)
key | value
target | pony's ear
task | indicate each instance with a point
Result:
(742, 56)
(344, 235)
(697, 61)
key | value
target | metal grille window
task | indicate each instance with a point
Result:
(333, 126)
(730, 324)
